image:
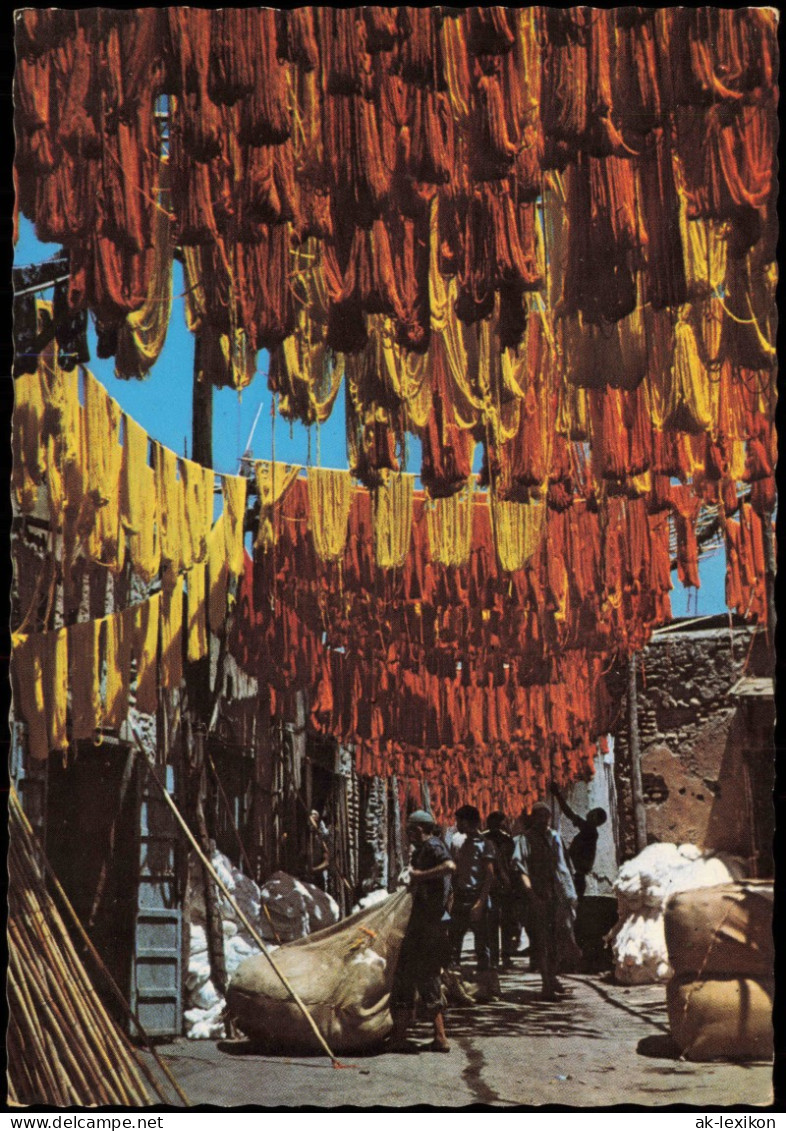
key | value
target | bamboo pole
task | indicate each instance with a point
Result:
(117, 992)
(634, 752)
(239, 912)
(64, 1046)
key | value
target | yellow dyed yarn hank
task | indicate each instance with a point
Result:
(28, 452)
(234, 490)
(171, 508)
(85, 679)
(692, 394)
(449, 526)
(39, 666)
(518, 531)
(196, 644)
(218, 577)
(329, 500)
(103, 457)
(392, 509)
(139, 503)
(171, 672)
(273, 480)
(117, 661)
(141, 625)
(198, 484)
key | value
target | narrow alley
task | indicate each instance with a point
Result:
(603, 1045)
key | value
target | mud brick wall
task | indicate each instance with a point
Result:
(706, 757)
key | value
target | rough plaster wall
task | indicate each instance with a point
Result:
(583, 796)
(693, 737)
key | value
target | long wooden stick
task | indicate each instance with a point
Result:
(118, 993)
(239, 912)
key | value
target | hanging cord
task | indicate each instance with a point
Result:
(20, 813)
(232, 902)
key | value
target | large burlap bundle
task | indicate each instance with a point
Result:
(721, 1018)
(724, 930)
(343, 975)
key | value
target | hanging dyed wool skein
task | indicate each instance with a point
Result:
(518, 531)
(393, 520)
(449, 525)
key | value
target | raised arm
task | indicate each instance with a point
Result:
(578, 821)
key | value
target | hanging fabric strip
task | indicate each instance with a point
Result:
(103, 458)
(329, 500)
(518, 531)
(141, 629)
(392, 506)
(171, 508)
(449, 525)
(138, 503)
(197, 509)
(39, 665)
(172, 636)
(118, 670)
(141, 337)
(28, 451)
(234, 489)
(273, 480)
(197, 620)
(84, 660)
(218, 576)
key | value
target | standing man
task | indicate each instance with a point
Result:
(474, 858)
(503, 918)
(539, 858)
(425, 948)
(585, 843)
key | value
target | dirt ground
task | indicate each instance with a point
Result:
(603, 1045)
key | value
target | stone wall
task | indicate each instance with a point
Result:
(704, 758)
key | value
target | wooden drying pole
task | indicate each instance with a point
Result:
(231, 899)
(79, 1053)
(634, 753)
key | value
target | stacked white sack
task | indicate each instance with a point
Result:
(282, 910)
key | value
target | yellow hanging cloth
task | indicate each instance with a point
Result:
(234, 490)
(141, 337)
(172, 636)
(273, 481)
(39, 667)
(85, 663)
(690, 405)
(28, 451)
(329, 501)
(218, 578)
(197, 509)
(449, 526)
(63, 444)
(171, 505)
(139, 504)
(103, 457)
(660, 351)
(117, 657)
(141, 625)
(392, 504)
(197, 621)
(518, 531)
(704, 248)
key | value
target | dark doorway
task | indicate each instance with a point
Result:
(92, 844)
